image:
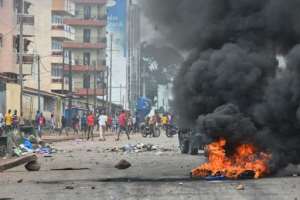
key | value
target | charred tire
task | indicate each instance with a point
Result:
(144, 133)
(169, 133)
(193, 151)
(156, 132)
(184, 146)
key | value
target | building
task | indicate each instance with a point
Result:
(60, 33)
(10, 15)
(134, 88)
(88, 50)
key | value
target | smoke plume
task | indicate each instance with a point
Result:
(231, 85)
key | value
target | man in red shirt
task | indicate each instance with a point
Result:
(90, 124)
(122, 125)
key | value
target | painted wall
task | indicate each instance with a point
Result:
(13, 92)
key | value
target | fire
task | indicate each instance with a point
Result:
(245, 159)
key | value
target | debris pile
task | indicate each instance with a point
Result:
(138, 148)
(22, 145)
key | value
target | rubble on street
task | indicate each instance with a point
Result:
(138, 148)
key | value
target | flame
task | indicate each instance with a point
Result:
(244, 159)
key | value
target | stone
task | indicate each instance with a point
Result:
(123, 164)
(33, 166)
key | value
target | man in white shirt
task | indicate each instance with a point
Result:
(102, 121)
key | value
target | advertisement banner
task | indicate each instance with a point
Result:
(117, 17)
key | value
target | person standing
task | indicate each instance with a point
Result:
(90, 123)
(122, 125)
(63, 125)
(1, 124)
(102, 122)
(41, 124)
(15, 119)
(8, 121)
(52, 124)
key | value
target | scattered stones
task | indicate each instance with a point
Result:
(123, 164)
(240, 187)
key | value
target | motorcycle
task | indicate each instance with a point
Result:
(147, 130)
(171, 131)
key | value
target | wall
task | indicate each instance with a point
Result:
(13, 92)
(41, 43)
(7, 24)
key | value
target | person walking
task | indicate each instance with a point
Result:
(75, 124)
(90, 123)
(122, 125)
(102, 122)
(83, 122)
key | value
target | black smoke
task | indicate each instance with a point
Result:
(231, 84)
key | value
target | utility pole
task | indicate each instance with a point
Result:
(70, 88)
(110, 73)
(86, 75)
(21, 49)
(95, 84)
(39, 82)
(63, 81)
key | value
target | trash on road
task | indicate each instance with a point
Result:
(240, 187)
(123, 164)
(138, 148)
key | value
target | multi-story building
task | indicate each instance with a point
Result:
(10, 15)
(134, 85)
(60, 33)
(89, 49)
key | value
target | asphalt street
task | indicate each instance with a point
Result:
(85, 170)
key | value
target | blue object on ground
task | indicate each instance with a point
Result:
(215, 178)
(27, 144)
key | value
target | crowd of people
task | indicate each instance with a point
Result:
(88, 123)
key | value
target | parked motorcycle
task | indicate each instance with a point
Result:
(171, 131)
(147, 130)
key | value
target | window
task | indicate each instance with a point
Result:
(57, 45)
(1, 3)
(86, 81)
(56, 70)
(87, 12)
(49, 104)
(57, 20)
(87, 35)
(86, 58)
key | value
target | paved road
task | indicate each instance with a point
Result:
(153, 175)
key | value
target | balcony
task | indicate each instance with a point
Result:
(84, 68)
(91, 1)
(88, 92)
(86, 22)
(28, 60)
(64, 32)
(63, 7)
(81, 45)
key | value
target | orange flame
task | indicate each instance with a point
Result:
(245, 159)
